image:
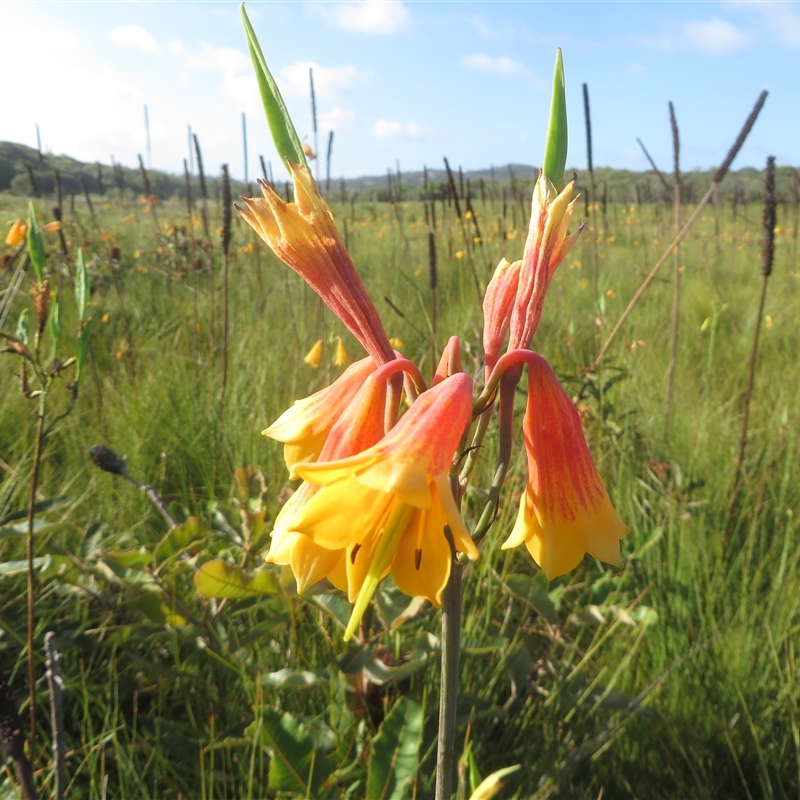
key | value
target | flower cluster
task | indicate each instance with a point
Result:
(380, 494)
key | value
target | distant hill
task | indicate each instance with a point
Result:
(24, 171)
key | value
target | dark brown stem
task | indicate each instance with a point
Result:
(767, 256)
(12, 740)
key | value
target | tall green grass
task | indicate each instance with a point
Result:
(672, 677)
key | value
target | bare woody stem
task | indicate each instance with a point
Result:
(718, 176)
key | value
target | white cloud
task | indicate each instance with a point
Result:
(715, 36)
(134, 36)
(779, 16)
(384, 129)
(379, 17)
(481, 27)
(502, 66)
(329, 82)
(337, 119)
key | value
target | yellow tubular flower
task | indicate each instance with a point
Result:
(16, 236)
(565, 511)
(305, 426)
(547, 244)
(341, 358)
(358, 426)
(390, 507)
(313, 356)
(304, 236)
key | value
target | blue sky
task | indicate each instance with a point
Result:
(403, 81)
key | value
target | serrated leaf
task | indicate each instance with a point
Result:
(221, 579)
(284, 135)
(35, 243)
(555, 154)
(394, 752)
(296, 765)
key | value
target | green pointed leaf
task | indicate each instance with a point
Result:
(177, 539)
(555, 153)
(35, 243)
(394, 753)
(154, 608)
(81, 285)
(55, 317)
(23, 331)
(287, 143)
(220, 579)
(81, 351)
(297, 765)
(295, 679)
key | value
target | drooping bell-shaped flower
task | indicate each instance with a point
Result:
(303, 235)
(346, 418)
(547, 244)
(390, 507)
(565, 510)
(305, 426)
(16, 234)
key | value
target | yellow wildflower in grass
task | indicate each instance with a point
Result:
(398, 343)
(565, 511)
(16, 235)
(303, 235)
(313, 356)
(390, 506)
(341, 358)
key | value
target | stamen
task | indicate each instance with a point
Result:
(417, 558)
(354, 552)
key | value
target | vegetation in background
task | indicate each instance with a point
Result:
(674, 677)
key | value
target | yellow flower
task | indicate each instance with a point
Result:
(396, 343)
(390, 507)
(313, 355)
(51, 227)
(304, 427)
(16, 236)
(565, 511)
(341, 358)
(303, 235)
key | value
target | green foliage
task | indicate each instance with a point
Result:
(555, 154)
(583, 681)
(394, 752)
(284, 136)
(35, 243)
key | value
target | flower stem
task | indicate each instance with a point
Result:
(448, 699)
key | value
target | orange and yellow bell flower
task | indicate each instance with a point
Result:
(16, 235)
(565, 510)
(304, 427)
(303, 235)
(390, 508)
(340, 421)
(547, 244)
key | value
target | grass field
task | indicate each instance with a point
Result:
(672, 677)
